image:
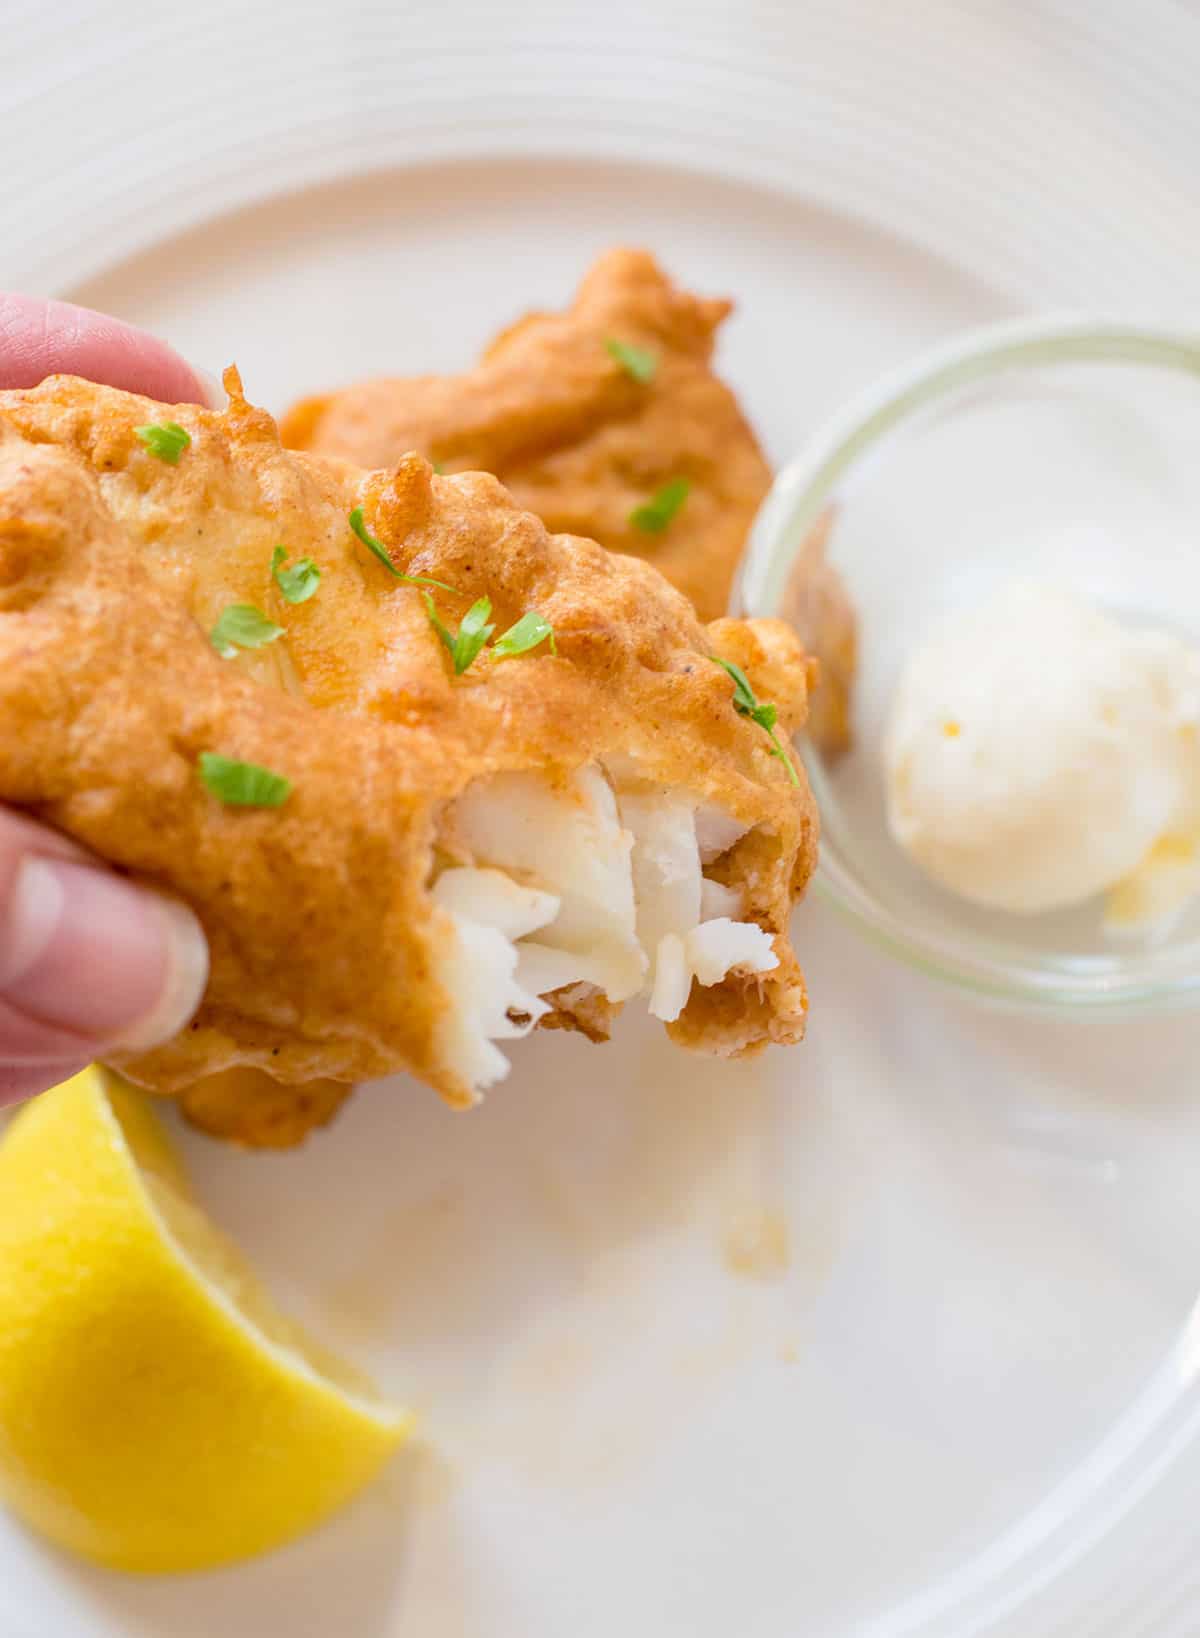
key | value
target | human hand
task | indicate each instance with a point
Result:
(89, 961)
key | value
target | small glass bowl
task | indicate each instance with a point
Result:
(1065, 450)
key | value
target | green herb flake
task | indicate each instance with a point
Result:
(167, 441)
(380, 551)
(438, 468)
(638, 362)
(765, 715)
(473, 631)
(241, 625)
(243, 784)
(530, 630)
(297, 581)
(656, 513)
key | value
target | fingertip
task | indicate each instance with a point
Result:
(18, 1082)
(89, 959)
(40, 338)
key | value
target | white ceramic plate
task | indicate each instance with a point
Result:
(963, 1403)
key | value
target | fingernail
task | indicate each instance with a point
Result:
(186, 964)
(215, 394)
(85, 951)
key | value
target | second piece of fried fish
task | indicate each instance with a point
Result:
(465, 851)
(578, 436)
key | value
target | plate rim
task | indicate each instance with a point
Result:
(655, 100)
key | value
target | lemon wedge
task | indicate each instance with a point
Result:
(156, 1413)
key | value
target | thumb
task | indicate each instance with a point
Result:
(88, 960)
(41, 338)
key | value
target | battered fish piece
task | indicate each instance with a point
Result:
(246, 1106)
(573, 434)
(461, 855)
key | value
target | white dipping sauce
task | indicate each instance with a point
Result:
(1038, 753)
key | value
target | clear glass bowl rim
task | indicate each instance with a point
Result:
(796, 501)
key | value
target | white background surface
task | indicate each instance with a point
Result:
(993, 1222)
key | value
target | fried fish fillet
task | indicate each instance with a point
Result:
(572, 434)
(461, 856)
(248, 1107)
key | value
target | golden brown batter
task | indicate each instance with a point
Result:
(332, 957)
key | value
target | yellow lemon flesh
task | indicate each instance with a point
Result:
(155, 1412)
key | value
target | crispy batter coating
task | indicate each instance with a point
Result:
(114, 566)
(571, 434)
(246, 1106)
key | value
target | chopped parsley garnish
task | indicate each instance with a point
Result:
(765, 715)
(638, 362)
(473, 631)
(530, 630)
(296, 581)
(167, 441)
(241, 625)
(380, 551)
(438, 468)
(243, 784)
(655, 514)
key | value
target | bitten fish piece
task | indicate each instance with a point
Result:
(573, 432)
(461, 855)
